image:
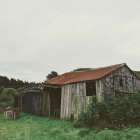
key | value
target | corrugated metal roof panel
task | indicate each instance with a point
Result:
(79, 76)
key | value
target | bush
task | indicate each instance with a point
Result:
(118, 112)
(7, 96)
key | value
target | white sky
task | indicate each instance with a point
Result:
(38, 36)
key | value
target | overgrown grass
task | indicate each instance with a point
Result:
(41, 128)
(114, 113)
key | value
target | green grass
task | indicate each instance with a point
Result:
(40, 128)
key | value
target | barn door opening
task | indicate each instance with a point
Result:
(55, 102)
(90, 88)
(31, 103)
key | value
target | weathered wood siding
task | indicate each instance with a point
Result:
(99, 90)
(46, 104)
(68, 100)
(72, 99)
(111, 84)
(31, 103)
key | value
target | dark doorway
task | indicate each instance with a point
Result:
(55, 102)
(90, 88)
(31, 103)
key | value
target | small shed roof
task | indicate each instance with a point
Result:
(32, 89)
(86, 75)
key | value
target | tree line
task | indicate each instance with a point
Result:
(12, 83)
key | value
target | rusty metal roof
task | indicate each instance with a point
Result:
(86, 75)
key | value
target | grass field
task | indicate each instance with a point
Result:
(40, 128)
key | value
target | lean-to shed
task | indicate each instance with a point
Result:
(68, 93)
(31, 99)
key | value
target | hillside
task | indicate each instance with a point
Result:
(12, 83)
(137, 73)
(41, 128)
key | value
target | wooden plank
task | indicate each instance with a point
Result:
(72, 99)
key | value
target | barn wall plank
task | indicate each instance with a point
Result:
(72, 99)
(111, 84)
(99, 91)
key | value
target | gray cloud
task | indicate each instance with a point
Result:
(39, 36)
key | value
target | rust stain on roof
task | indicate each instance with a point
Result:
(79, 76)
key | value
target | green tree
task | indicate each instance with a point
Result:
(1, 89)
(10, 92)
(52, 75)
(7, 97)
(12, 83)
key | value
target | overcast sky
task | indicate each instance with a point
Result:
(38, 36)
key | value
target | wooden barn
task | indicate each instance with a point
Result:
(31, 99)
(65, 95)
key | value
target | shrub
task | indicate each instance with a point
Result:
(7, 96)
(118, 112)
